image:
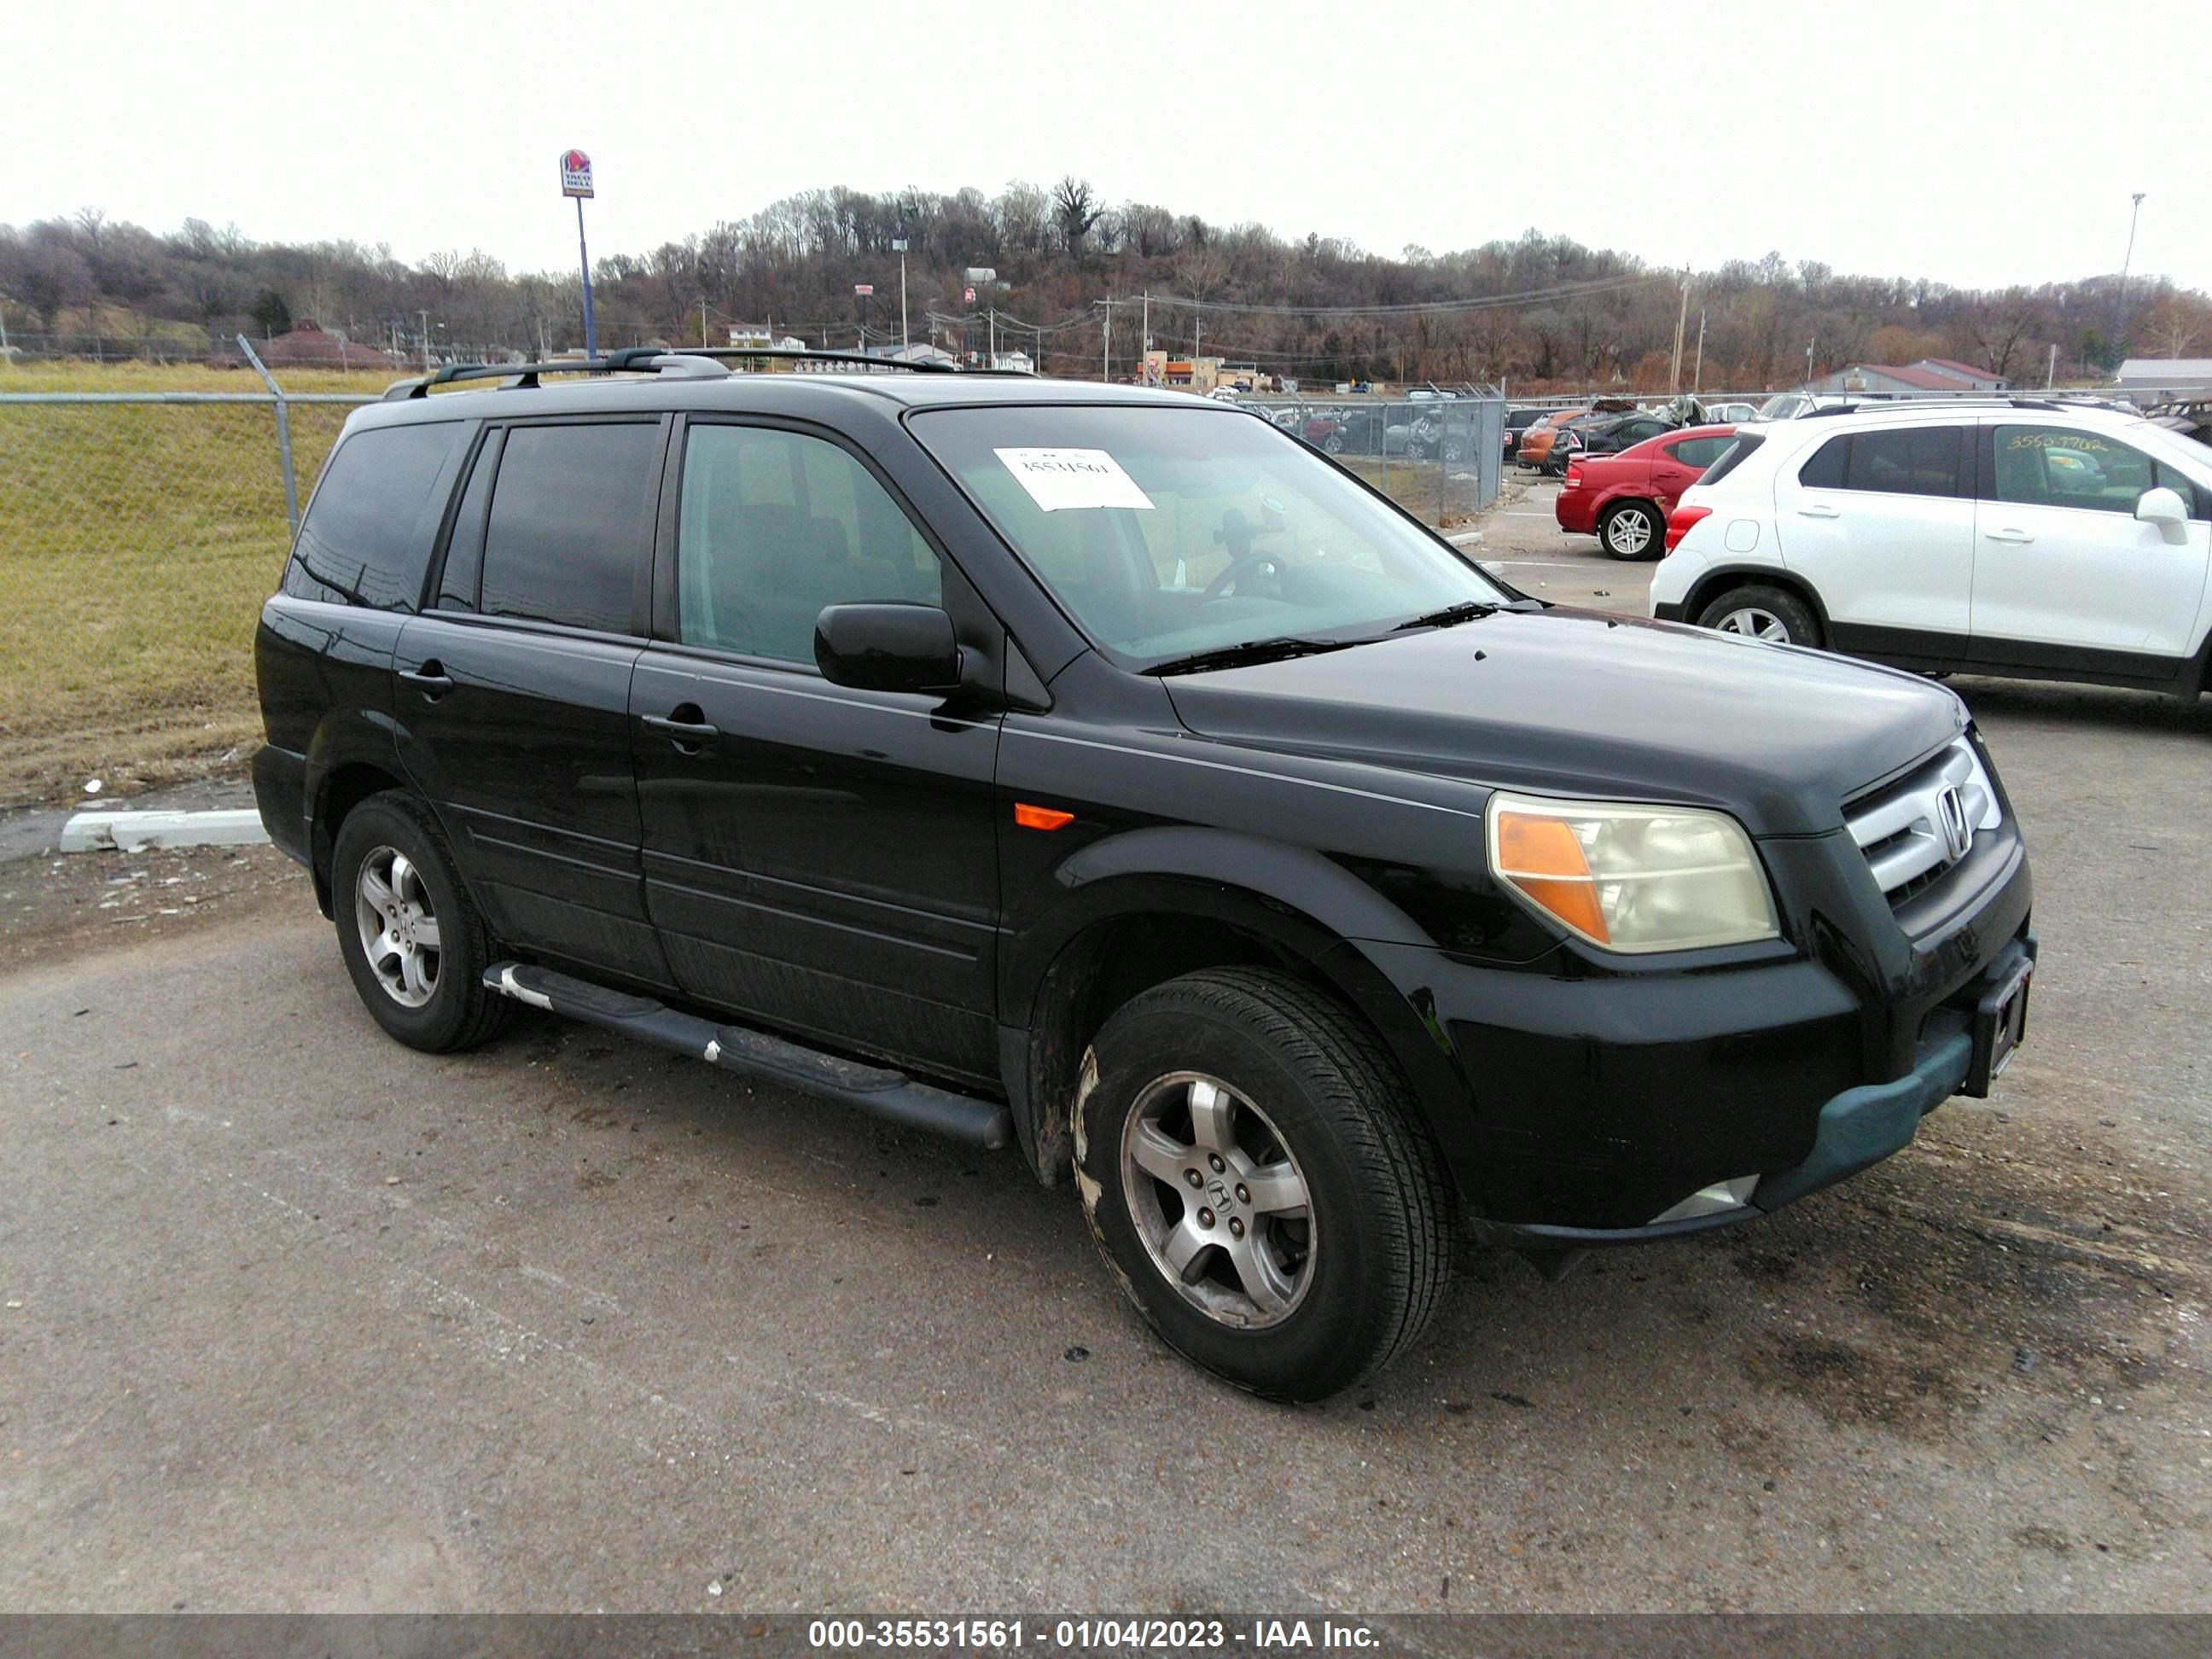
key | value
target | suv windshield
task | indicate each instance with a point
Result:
(1169, 533)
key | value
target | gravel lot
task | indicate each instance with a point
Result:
(298, 1320)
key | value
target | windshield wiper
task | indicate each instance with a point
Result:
(1465, 611)
(1252, 651)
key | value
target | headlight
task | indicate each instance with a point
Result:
(1632, 878)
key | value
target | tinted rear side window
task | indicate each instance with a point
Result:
(1826, 468)
(368, 534)
(1913, 460)
(1732, 457)
(571, 524)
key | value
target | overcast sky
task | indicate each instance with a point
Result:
(1978, 144)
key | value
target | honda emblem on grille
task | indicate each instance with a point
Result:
(1951, 814)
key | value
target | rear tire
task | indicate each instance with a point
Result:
(1630, 531)
(1329, 1255)
(412, 940)
(1764, 613)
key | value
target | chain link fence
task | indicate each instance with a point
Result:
(1439, 458)
(139, 533)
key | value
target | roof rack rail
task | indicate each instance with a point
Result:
(629, 359)
(806, 355)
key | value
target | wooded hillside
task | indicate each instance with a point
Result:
(1538, 311)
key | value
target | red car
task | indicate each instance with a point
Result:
(1623, 500)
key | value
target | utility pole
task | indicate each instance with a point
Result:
(898, 246)
(2120, 323)
(2051, 373)
(1681, 322)
(425, 316)
(1146, 356)
(993, 359)
(1809, 344)
(702, 319)
(1697, 374)
(1106, 346)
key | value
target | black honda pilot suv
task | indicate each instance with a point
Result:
(1107, 773)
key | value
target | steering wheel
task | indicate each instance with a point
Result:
(1251, 564)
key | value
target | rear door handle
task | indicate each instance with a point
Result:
(2013, 536)
(681, 732)
(431, 679)
(1818, 510)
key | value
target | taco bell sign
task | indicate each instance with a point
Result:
(575, 173)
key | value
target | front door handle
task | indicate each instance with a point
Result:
(2015, 536)
(684, 734)
(431, 679)
(1819, 510)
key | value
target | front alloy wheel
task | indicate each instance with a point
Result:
(1261, 1179)
(1218, 1200)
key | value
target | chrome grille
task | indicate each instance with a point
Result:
(1916, 829)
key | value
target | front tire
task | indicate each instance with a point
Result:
(1629, 530)
(1763, 613)
(1255, 1172)
(413, 942)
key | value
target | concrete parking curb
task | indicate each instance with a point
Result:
(136, 832)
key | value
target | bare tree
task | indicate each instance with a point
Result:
(1075, 210)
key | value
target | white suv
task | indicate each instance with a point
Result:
(2018, 537)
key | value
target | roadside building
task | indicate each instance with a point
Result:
(1973, 379)
(2150, 378)
(1185, 374)
(1891, 378)
(760, 337)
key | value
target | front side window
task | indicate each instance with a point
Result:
(571, 524)
(1166, 532)
(2058, 466)
(776, 525)
(368, 534)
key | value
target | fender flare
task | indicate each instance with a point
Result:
(1292, 898)
(344, 737)
(1291, 894)
(1711, 581)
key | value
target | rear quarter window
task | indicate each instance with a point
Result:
(1733, 456)
(366, 540)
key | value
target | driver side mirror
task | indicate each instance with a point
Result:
(887, 648)
(2164, 508)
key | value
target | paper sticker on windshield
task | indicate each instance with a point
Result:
(1061, 478)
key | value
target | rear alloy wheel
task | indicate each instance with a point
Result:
(1257, 1176)
(411, 939)
(1762, 613)
(1629, 530)
(1333, 444)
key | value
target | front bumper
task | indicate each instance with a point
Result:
(1855, 1130)
(1575, 1101)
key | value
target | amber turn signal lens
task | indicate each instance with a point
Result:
(1041, 817)
(1543, 859)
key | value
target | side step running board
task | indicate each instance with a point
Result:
(887, 1094)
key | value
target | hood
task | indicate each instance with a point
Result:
(1575, 702)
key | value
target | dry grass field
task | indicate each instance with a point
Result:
(137, 544)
